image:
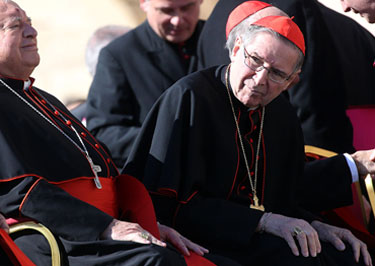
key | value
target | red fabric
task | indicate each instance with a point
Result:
(15, 255)
(242, 12)
(135, 203)
(127, 194)
(196, 260)
(362, 118)
(286, 27)
(123, 198)
(84, 188)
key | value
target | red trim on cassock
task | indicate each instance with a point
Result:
(264, 169)
(27, 194)
(238, 160)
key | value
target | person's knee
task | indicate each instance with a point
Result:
(166, 256)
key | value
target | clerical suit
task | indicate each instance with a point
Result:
(40, 165)
(189, 156)
(132, 72)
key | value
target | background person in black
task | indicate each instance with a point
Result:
(364, 7)
(191, 155)
(134, 70)
(328, 82)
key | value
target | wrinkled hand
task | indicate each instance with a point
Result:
(121, 230)
(284, 227)
(180, 242)
(336, 236)
(365, 162)
(3, 223)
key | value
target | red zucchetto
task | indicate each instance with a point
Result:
(286, 27)
(242, 12)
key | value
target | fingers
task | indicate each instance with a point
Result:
(177, 241)
(145, 237)
(366, 255)
(357, 245)
(292, 244)
(180, 242)
(194, 247)
(4, 225)
(308, 241)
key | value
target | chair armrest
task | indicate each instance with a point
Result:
(31, 225)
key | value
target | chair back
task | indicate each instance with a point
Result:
(363, 121)
(352, 217)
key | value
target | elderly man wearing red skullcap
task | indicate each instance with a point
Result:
(221, 152)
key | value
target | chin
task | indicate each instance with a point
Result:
(178, 38)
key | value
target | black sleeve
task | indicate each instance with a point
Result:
(46, 203)
(210, 220)
(326, 184)
(110, 110)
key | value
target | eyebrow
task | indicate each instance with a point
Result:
(18, 18)
(273, 68)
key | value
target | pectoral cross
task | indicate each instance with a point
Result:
(96, 169)
(256, 205)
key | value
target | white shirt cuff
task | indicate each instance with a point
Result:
(352, 167)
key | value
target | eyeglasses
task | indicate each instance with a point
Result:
(255, 63)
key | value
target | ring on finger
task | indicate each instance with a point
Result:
(145, 235)
(297, 230)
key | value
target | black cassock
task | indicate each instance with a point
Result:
(132, 72)
(189, 156)
(34, 157)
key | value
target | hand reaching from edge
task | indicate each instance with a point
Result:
(180, 242)
(3, 223)
(337, 236)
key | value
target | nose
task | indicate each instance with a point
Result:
(345, 6)
(176, 19)
(29, 31)
(260, 76)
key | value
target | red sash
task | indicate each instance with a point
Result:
(124, 198)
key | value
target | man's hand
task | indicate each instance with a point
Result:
(120, 230)
(365, 162)
(336, 236)
(3, 223)
(178, 241)
(292, 230)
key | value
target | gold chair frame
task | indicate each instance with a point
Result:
(30, 225)
(368, 180)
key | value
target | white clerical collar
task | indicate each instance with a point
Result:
(252, 108)
(26, 84)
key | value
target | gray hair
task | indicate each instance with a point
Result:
(100, 38)
(248, 32)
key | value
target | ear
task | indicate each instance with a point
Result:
(294, 79)
(143, 4)
(236, 47)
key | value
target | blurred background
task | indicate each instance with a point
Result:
(64, 28)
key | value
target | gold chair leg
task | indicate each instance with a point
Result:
(370, 192)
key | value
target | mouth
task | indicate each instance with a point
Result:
(31, 46)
